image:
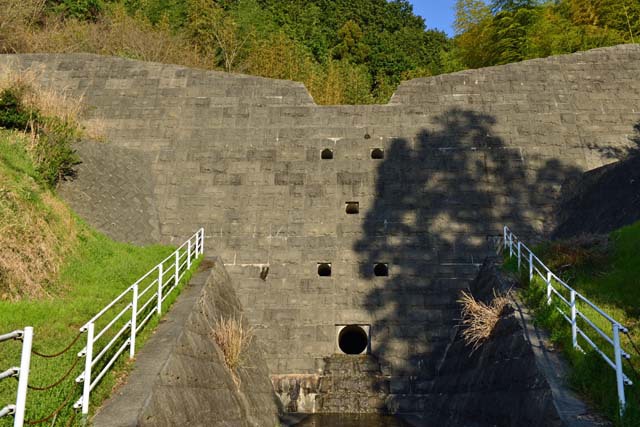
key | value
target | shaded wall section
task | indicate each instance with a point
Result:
(581, 209)
(462, 154)
(512, 379)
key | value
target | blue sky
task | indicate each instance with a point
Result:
(438, 14)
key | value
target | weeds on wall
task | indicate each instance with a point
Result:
(234, 339)
(37, 230)
(479, 319)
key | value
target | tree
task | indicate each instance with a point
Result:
(622, 16)
(476, 34)
(510, 36)
(279, 57)
(209, 26)
(351, 45)
(470, 14)
(498, 6)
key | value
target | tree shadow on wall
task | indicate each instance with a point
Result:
(635, 140)
(620, 152)
(442, 200)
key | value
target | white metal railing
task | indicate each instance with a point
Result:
(536, 266)
(18, 407)
(114, 328)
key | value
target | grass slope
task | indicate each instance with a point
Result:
(609, 277)
(36, 229)
(93, 270)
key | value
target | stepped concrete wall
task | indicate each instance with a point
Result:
(463, 154)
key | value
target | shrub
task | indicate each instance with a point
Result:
(79, 9)
(52, 149)
(24, 107)
(585, 252)
(13, 115)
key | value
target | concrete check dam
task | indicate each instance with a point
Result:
(347, 231)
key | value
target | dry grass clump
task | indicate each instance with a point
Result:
(479, 319)
(234, 339)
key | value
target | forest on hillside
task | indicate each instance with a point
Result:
(344, 51)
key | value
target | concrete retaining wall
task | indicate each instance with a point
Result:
(463, 154)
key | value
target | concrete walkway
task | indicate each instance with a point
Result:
(572, 410)
(125, 405)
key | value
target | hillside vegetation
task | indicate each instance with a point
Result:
(606, 269)
(56, 272)
(344, 51)
(36, 229)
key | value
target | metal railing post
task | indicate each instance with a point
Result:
(86, 387)
(159, 289)
(619, 353)
(574, 324)
(201, 233)
(189, 253)
(510, 244)
(504, 237)
(23, 376)
(134, 322)
(175, 283)
(619, 373)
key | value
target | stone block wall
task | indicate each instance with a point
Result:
(463, 154)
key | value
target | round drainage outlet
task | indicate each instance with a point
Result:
(353, 339)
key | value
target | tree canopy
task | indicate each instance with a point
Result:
(345, 51)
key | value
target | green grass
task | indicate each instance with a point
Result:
(14, 161)
(615, 288)
(95, 270)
